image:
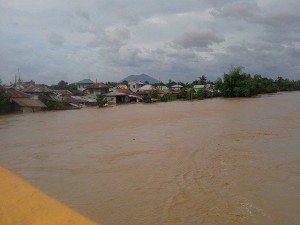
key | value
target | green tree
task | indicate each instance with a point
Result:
(147, 98)
(154, 94)
(52, 104)
(101, 100)
(283, 84)
(202, 94)
(202, 80)
(218, 84)
(171, 83)
(124, 82)
(112, 84)
(238, 84)
(5, 105)
(43, 98)
(72, 87)
(168, 97)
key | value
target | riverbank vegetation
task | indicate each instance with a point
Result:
(235, 83)
(239, 84)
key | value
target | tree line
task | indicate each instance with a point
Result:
(235, 83)
(239, 84)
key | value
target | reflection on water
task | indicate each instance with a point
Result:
(217, 161)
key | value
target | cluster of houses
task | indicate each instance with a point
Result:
(24, 96)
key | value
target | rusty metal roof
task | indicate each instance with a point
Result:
(120, 90)
(27, 102)
(13, 93)
(122, 86)
(97, 86)
(63, 92)
(38, 89)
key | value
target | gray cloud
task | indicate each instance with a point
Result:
(130, 17)
(198, 38)
(110, 38)
(261, 59)
(83, 14)
(55, 39)
(283, 17)
(239, 9)
(72, 39)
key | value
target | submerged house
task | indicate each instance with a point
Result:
(35, 91)
(135, 85)
(96, 89)
(83, 84)
(66, 96)
(176, 87)
(198, 87)
(22, 102)
(148, 89)
(118, 96)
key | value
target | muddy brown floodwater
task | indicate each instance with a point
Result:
(216, 161)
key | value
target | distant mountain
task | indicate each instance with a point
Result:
(142, 77)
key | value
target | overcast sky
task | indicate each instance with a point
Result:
(53, 40)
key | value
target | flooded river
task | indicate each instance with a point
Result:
(216, 161)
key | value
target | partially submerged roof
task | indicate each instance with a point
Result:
(85, 81)
(63, 92)
(38, 89)
(177, 86)
(13, 93)
(118, 92)
(126, 91)
(147, 87)
(122, 86)
(135, 82)
(84, 99)
(112, 94)
(97, 86)
(27, 102)
(162, 87)
(198, 86)
(135, 96)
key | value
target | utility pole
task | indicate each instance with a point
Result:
(19, 80)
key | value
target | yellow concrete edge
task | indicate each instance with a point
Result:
(21, 203)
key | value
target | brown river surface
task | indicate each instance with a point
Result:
(216, 161)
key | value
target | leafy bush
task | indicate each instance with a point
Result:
(101, 100)
(147, 98)
(53, 105)
(168, 97)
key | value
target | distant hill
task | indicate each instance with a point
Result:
(142, 77)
